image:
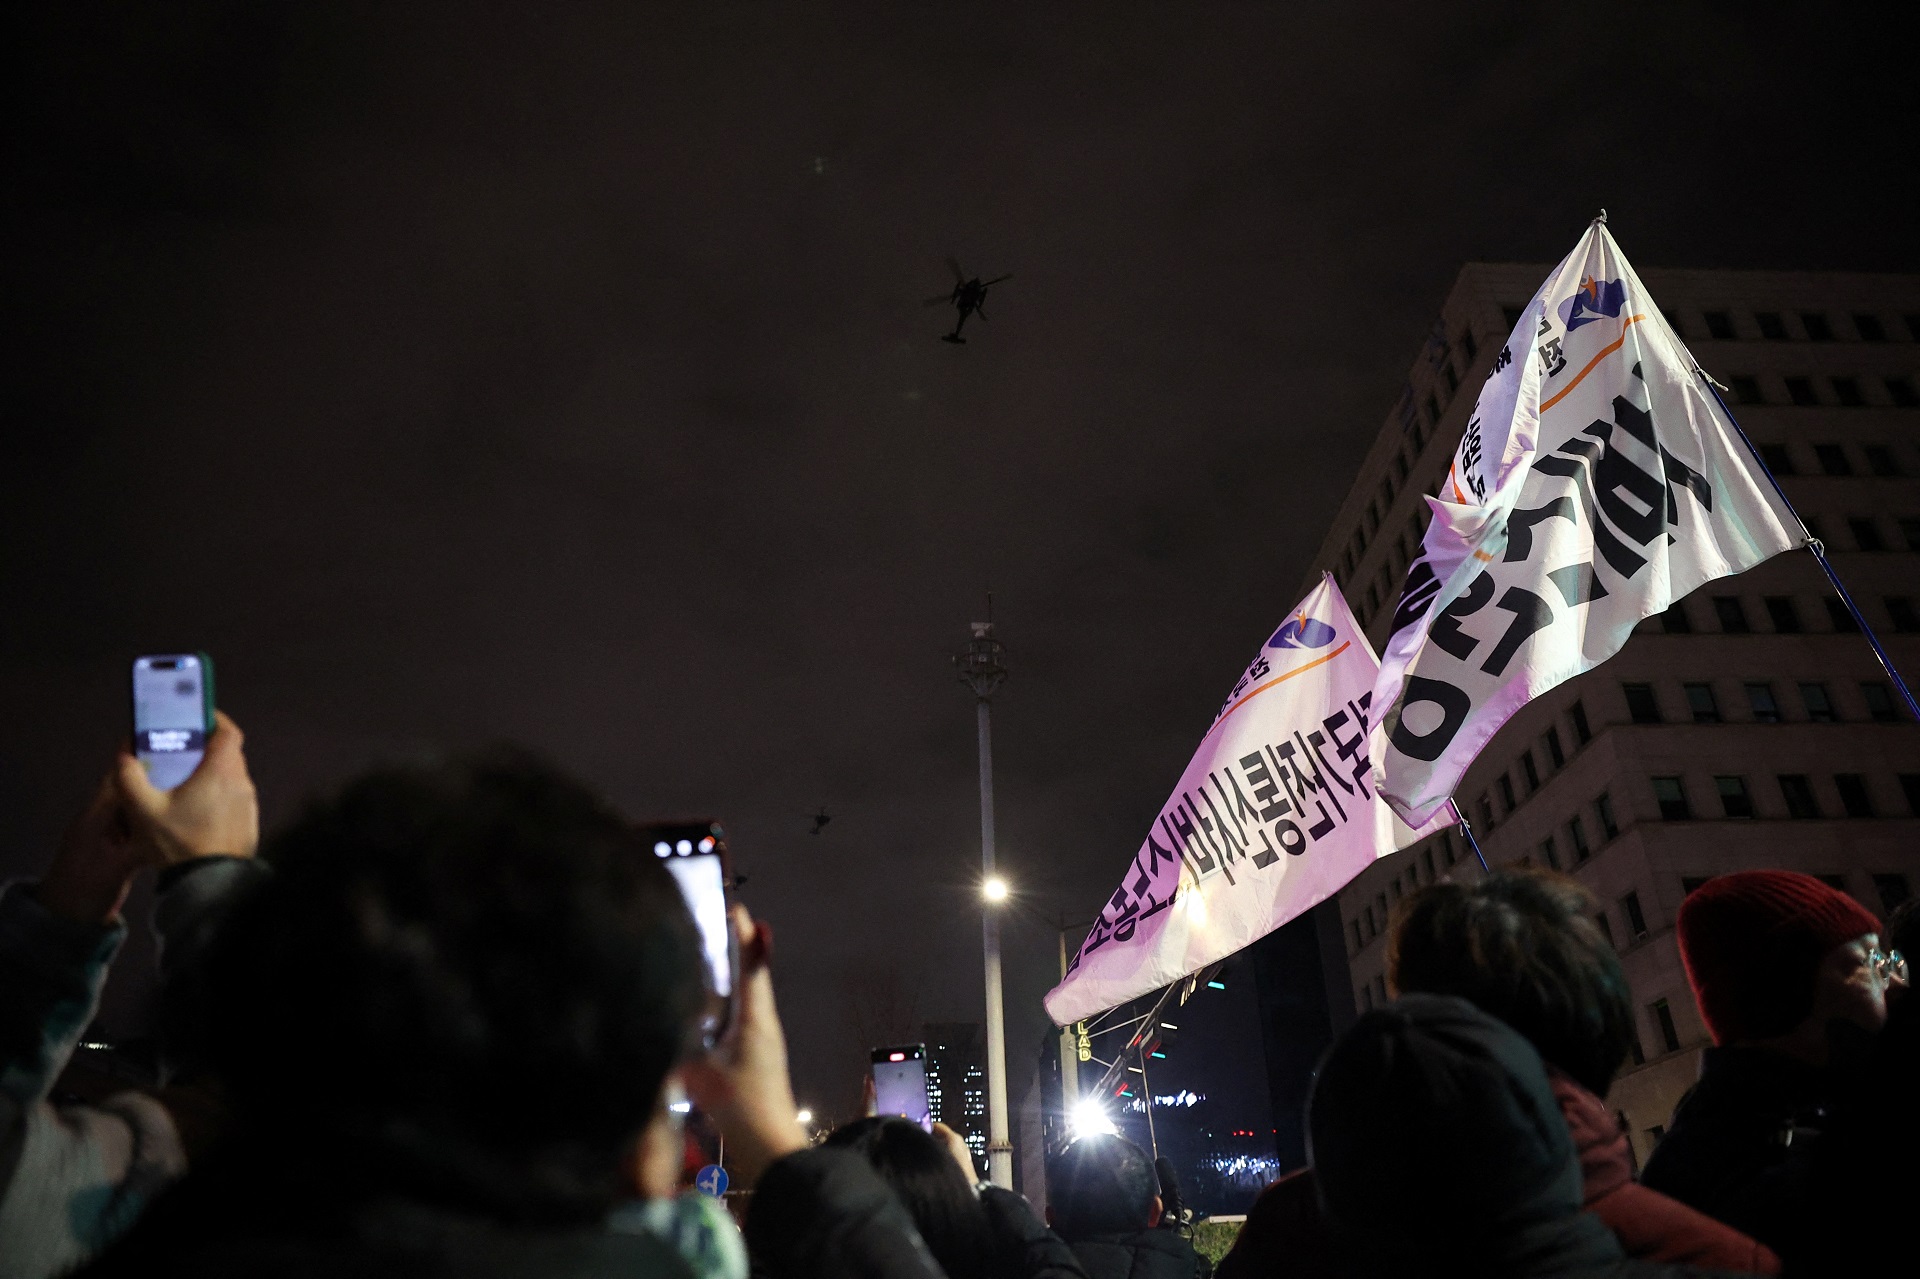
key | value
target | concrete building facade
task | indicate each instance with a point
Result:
(1750, 726)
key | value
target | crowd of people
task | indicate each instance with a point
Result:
(438, 1025)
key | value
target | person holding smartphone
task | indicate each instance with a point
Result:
(447, 1022)
(75, 1175)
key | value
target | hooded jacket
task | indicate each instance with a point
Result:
(1144, 1254)
(1439, 1148)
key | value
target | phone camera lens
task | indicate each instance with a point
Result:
(662, 848)
(706, 845)
(684, 847)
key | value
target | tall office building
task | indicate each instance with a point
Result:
(957, 1081)
(1749, 726)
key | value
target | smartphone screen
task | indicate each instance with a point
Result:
(172, 714)
(695, 854)
(900, 1083)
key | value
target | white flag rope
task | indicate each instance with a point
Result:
(1598, 480)
(1275, 813)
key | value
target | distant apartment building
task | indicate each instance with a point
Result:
(957, 1081)
(1750, 726)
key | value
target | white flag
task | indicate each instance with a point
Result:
(1597, 482)
(1274, 815)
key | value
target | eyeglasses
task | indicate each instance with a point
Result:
(1888, 965)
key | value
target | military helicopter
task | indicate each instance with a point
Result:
(968, 296)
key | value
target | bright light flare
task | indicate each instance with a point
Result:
(1090, 1119)
(994, 889)
(804, 1117)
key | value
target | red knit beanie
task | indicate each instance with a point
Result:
(1752, 943)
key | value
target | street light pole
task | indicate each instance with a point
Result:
(981, 671)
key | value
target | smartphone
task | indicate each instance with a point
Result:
(900, 1083)
(695, 853)
(172, 714)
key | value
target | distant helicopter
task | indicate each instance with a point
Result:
(968, 296)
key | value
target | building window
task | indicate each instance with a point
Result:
(1746, 390)
(1529, 772)
(1777, 459)
(1866, 534)
(1554, 752)
(1734, 800)
(1853, 794)
(1760, 700)
(1798, 792)
(1663, 1018)
(1603, 809)
(1893, 890)
(1819, 705)
(1512, 316)
(1815, 323)
(1840, 616)
(1366, 996)
(1900, 611)
(1784, 616)
(1675, 620)
(1900, 391)
(1486, 812)
(1581, 733)
(1641, 706)
(1701, 702)
(1910, 787)
(1869, 328)
(1733, 618)
(1373, 929)
(1636, 919)
(1800, 391)
(1772, 327)
(1673, 321)
(1719, 325)
(1672, 798)
(1506, 793)
(1446, 849)
(1380, 984)
(1913, 325)
(1832, 459)
(1910, 532)
(1549, 854)
(1880, 461)
(1847, 391)
(1426, 857)
(1577, 834)
(1879, 700)
(1606, 926)
(1380, 900)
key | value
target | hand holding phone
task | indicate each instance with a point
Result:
(213, 812)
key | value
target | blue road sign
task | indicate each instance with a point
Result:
(711, 1180)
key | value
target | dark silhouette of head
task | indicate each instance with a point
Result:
(1522, 945)
(927, 1180)
(1102, 1185)
(1438, 1148)
(465, 981)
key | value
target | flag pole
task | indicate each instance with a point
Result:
(1467, 827)
(1817, 547)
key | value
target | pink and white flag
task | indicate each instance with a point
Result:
(1275, 813)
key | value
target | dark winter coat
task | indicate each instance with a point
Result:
(1648, 1224)
(1025, 1248)
(1742, 1138)
(1145, 1254)
(818, 1214)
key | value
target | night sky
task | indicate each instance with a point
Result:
(468, 372)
